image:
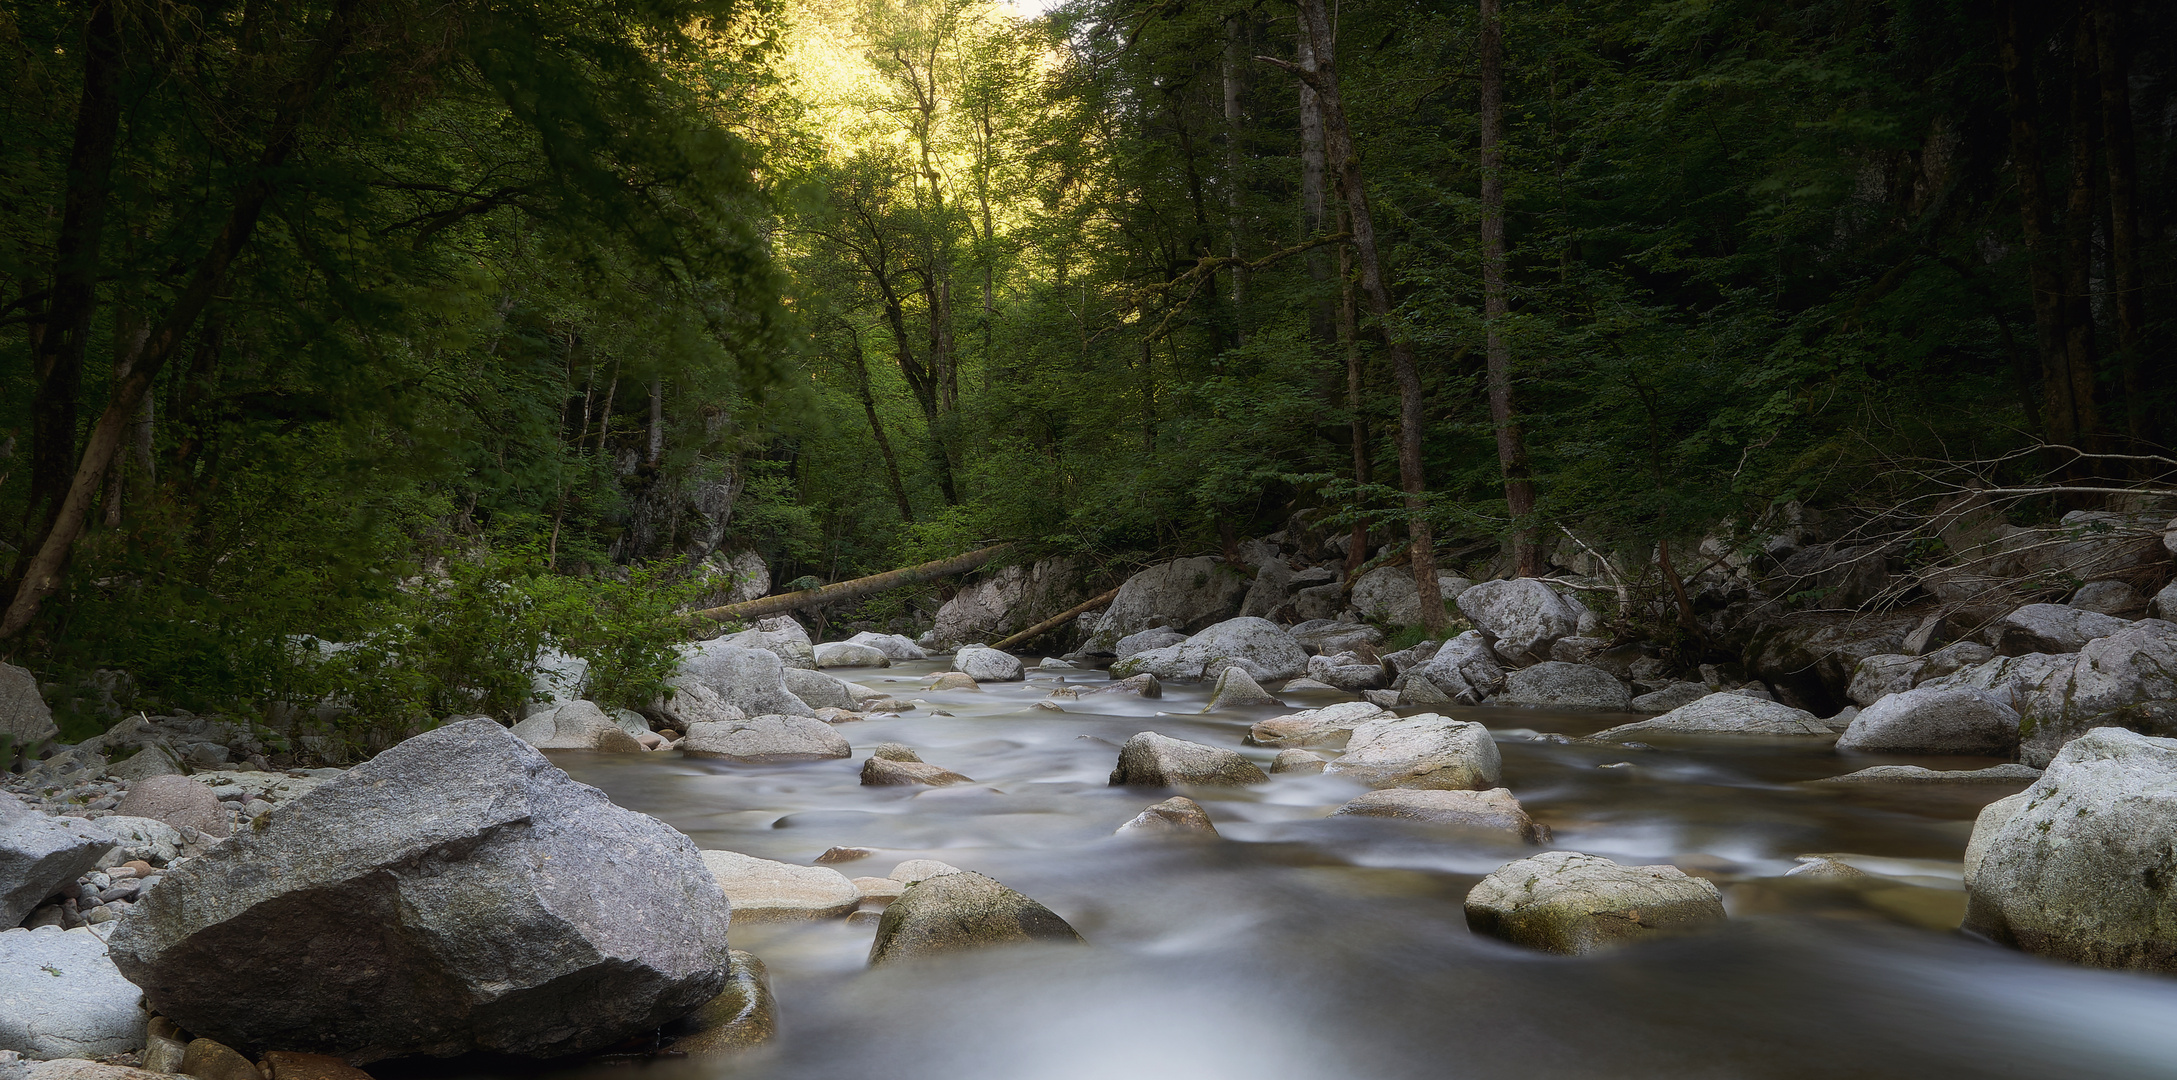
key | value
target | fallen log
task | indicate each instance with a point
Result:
(848, 590)
(1058, 620)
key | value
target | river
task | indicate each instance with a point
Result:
(1307, 947)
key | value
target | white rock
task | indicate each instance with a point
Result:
(1523, 615)
(751, 680)
(1464, 668)
(1156, 637)
(41, 855)
(1560, 684)
(1724, 714)
(577, 725)
(833, 654)
(1331, 725)
(767, 738)
(1569, 902)
(893, 646)
(60, 997)
(1423, 751)
(989, 665)
(765, 891)
(1237, 689)
(1256, 646)
(1153, 760)
(2053, 628)
(1494, 810)
(1934, 720)
(2127, 679)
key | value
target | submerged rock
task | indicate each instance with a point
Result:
(960, 910)
(1727, 713)
(1176, 815)
(1495, 810)
(765, 891)
(891, 772)
(456, 893)
(1915, 774)
(744, 1015)
(1424, 751)
(1569, 902)
(1152, 760)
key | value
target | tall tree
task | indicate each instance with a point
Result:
(1503, 411)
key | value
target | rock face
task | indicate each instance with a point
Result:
(1934, 720)
(1006, 601)
(456, 893)
(1724, 714)
(1256, 646)
(2053, 628)
(989, 665)
(764, 891)
(1494, 810)
(833, 654)
(1567, 902)
(1522, 616)
(1185, 594)
(40, 856)
(1424, 751)
(2079, 865)
(960, 910)
(1389, 595)
(1553, 682)
(1465, 668)
(2127, 679)
(178, 801)
(781, 636)
(60, 997)
(1330, 726)
(751, 680)
(1153, 760)
(1177, 815)
(767, 738)
(24, 716)
(1236, 689)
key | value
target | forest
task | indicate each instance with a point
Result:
(566, 304)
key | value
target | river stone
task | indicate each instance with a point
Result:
(209, 1059)
(178, 801)
(1727, 713)
(951, 912)
(456, 893)
(1569, 902)
(577, 725)
(767, 738)
(766, 891)
(1523, 616)
(2053, 628)
(2079, 865)
(1916, 774)
(41, 855)
(1184, 594)
(1416, 691)
(2128, 679)
(1934, 720)
(1347, 671)
(1422, 751)
(149, 839)
(1494, 810)
(1297, 761)
(79, 1069)
(887, 772)
(1331, 725)
(989, 665)
(2106, 597)
(1670, 697)
(24, 716)
(1152, 760)
(61, 997)
(1143, 685)
(751, 680)
(743, 1016)
(290, 1065)
(914, 870)
(818, 689)
(1158, 637)
(1324, 635)
(1389, 594)
(691, 704)
(833, 654)
(1236, 689)
(1556, 683)
(1825, 868)
(893, 646)
(1177, 815)
(1464, 668)
(1255, 645)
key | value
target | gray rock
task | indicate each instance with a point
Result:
(2012, 679)
(1256, 646)
(989, 665)
(790, 643)
(2127, 679)
(751, 680)
(40, 856)
(1465, 668)
(1523, 616)
(144, 764)
(886, 772)
(1934, 720)
(1177, 815)
(893, 646)
(1271, 588)
(2106, 597)
(456, 893)
(914, 870)
(1152, 760)
(2053, 628)
(78, 1069)
(1670, 697)
(24, 715)
(1881, 675)
(1185, 594)
(149, 839)
(1726, 713)
(2165, 602)
(2079, 865)
(1236, 689)
(1324, 635)
(1317, 602)
(767, 738)
(1915, 774)
(765, 891)
(1809, 658)
(818, 689)
(1382, 699)
(1825, 868)
(178, 801)
(1838, 576)
(1568, 902)
(1388, 594)
(1305, 762)
(577, 725)
(1330, 726)
(954, 680)
(1415, 691)
(1006, 601)
(1159, 637)
(833, 654)
(744, 1015)
(1560, 684)
(1141, 686)
(1303, 686)
(956, 911)
(1494, 810)
(1423, 751)
(559, 677)
(1347, 671)
(60, 997)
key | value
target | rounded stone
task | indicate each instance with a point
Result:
(178, 801)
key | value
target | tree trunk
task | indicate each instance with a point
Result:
(1339, 144)
(848, 590)
(130, 330)
(1312, 210)
(2128, 283)
(876, 426)
(1511, 445)
(1235, 31)
(657, 420)
(1349, 336)
(2081, 361)
(2059, 412)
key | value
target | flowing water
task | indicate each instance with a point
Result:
(1303, 946)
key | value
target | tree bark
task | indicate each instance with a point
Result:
(2126, 279)
(2059, 412)
(1349, 336)
(2081, 360)
(1503, 416)
(876, 426)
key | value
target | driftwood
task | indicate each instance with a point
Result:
(848, 590)
(1058, 620)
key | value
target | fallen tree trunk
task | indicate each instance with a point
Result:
(848, 590)
(1058, 620)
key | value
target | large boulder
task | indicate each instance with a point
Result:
(2052, 628)
(893, 646)
(1670, 697)
(751, 680)
(178, 801)
(1809, 658)
(456, 893)
(24, 715)
(833, 654)
(1185, 594)
(1271, 589)
(60, 997)
(1347, 671)
(2079, 865)
(1176, 816)
(2127, 679)
(761, 890)
(1423, 751)
(577, 725)
(766, 739)
(1156, 637)
(1494, 810)
(1569, 902)
(1883, 674)
(1331, 725)
(40, 856)
(1325, 635)
(989, 665)
(1726, 713)
(1559, 684)
(1236, 689)
(782, 636)
(1254, 645)
(1465, 669)
(1388, 594)
(1152, 760)
(961, 910)
(1522, 617)
(1934, 720)
(818, 689)
(1006, 601)
(1831, 576)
